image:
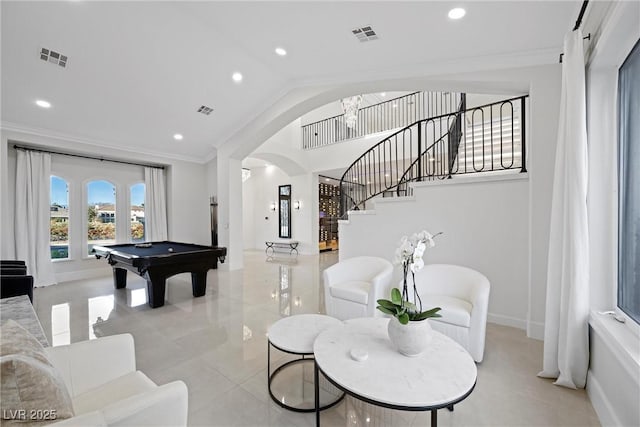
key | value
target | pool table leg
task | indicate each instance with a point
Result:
(119, 278)
(155, 291)
(199, 283)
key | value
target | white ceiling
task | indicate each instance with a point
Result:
(138, 70)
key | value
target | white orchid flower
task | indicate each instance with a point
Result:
(430, 242)
(416, 265)
(419, 250)
(407, 248)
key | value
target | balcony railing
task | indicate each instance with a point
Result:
(392, 114)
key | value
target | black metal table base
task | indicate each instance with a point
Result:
(302, 359)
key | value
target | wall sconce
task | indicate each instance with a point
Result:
(272, 206)
(297, 204)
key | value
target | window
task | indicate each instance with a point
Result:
(101, 213)
(137, 213)
(629, 185)
(59, 218)
(284, 219)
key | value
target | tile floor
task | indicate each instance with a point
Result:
(217, 344)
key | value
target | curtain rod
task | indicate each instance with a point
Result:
(102, 159)
(581, 14)
(578, 23)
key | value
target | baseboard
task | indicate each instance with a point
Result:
(600, 402)
(535, 330)
(500, 319)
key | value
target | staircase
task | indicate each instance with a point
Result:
(491, 143)
(481, 139)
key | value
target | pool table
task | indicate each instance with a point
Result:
(157, 261)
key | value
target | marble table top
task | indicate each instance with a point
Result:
(296, 334)
(20, 309)
(444, 374)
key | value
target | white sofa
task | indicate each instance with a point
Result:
(106, 389)
(352, 287)
(463, 295)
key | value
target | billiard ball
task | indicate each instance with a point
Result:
(170, 249)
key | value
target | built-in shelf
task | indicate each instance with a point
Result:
(329, 206)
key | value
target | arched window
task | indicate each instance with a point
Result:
(137, 213)
(101, 217)
(59, 218)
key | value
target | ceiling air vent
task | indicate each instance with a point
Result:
(205, 110)
(365, 34)
(53, 57)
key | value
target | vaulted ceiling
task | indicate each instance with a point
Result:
(138, 71)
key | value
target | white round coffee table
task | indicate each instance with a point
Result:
(442, 376)
(296, 335)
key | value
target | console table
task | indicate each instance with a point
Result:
(20, 310)
(289, 245)
(442, 376)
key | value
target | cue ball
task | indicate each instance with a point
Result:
(170, 249)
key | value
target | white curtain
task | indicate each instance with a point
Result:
(32, 215)
(155, 210)
(566, 334)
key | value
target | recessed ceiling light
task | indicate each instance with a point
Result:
(43, 103)
(383, 93)
(280, 51)
(237, 77)
(457, 13)
(178, 137)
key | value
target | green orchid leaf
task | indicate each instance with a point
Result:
(387, 304)
(403, 318)
(396, 296)
(386, 310)
(427, 314)
(433, 312)
(410, 306)
(399, 311)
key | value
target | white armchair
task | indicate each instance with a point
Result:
(106, 389)
(352, 286)
(463, 295)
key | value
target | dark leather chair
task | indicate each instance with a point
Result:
(13, 270)
(10, 262)
(14, 280)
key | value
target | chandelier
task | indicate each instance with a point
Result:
(350, 108)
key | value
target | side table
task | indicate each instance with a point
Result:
(295, 335)
(442, 376)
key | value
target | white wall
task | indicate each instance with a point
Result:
(261, 224)
(484, 225)
(187, 194)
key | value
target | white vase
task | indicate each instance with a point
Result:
(410, 339)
